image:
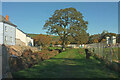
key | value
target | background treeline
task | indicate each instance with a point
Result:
(46, 40)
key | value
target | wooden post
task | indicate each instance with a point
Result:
(98, 49)
(87, 54)
(110, 54)
(103, 51)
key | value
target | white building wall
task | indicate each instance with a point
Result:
(113, 40)
(20, 35)
(1, 32)
(9, 34)
(107, 40)
(29, 41)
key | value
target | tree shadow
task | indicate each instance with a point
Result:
(67, 68)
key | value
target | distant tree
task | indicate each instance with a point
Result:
(59, 42)
(53, 42)
(95, 41)
(104, 34)
(55, 38)
(94, 38)
(100, 37)
(103, 40)
(56, 43)
(118, 38)
(43, 40)
(67, 22)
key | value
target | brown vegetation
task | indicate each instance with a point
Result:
(27, 58)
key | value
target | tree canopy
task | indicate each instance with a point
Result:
(66, 23)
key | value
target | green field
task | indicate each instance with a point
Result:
(32, 35)
(68, 64)
(52, 36)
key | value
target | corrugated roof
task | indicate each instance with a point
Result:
(2, 19)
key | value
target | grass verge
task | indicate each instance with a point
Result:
(68, 64)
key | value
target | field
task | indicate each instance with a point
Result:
(68, 64)
(32, 35)
(53, 37)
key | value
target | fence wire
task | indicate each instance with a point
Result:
(108, 52)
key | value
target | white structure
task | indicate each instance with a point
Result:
(113, 40)
(107, 40)
(20, 37)
(7, 31)
(10, 35)
(29, 41)
(23, 39)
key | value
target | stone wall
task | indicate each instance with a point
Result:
(17, 50)
(5, 54)
(0, 62)
(5, 70)
(15, 58)
(5, 64)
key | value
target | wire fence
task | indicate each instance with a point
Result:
(108, 52)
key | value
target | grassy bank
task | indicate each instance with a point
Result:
(68, 64)
(106, 53)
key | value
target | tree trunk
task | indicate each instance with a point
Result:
(63, 45)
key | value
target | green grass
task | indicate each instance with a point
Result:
(55, 38)
(68, 64)
(32, 35)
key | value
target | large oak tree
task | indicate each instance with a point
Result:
(65, 23)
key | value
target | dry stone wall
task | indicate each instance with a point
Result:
(21, 57)
(6, 57)
(15, 58)
(18, 50)
(5, 63)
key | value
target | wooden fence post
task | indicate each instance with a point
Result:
(110, 54)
